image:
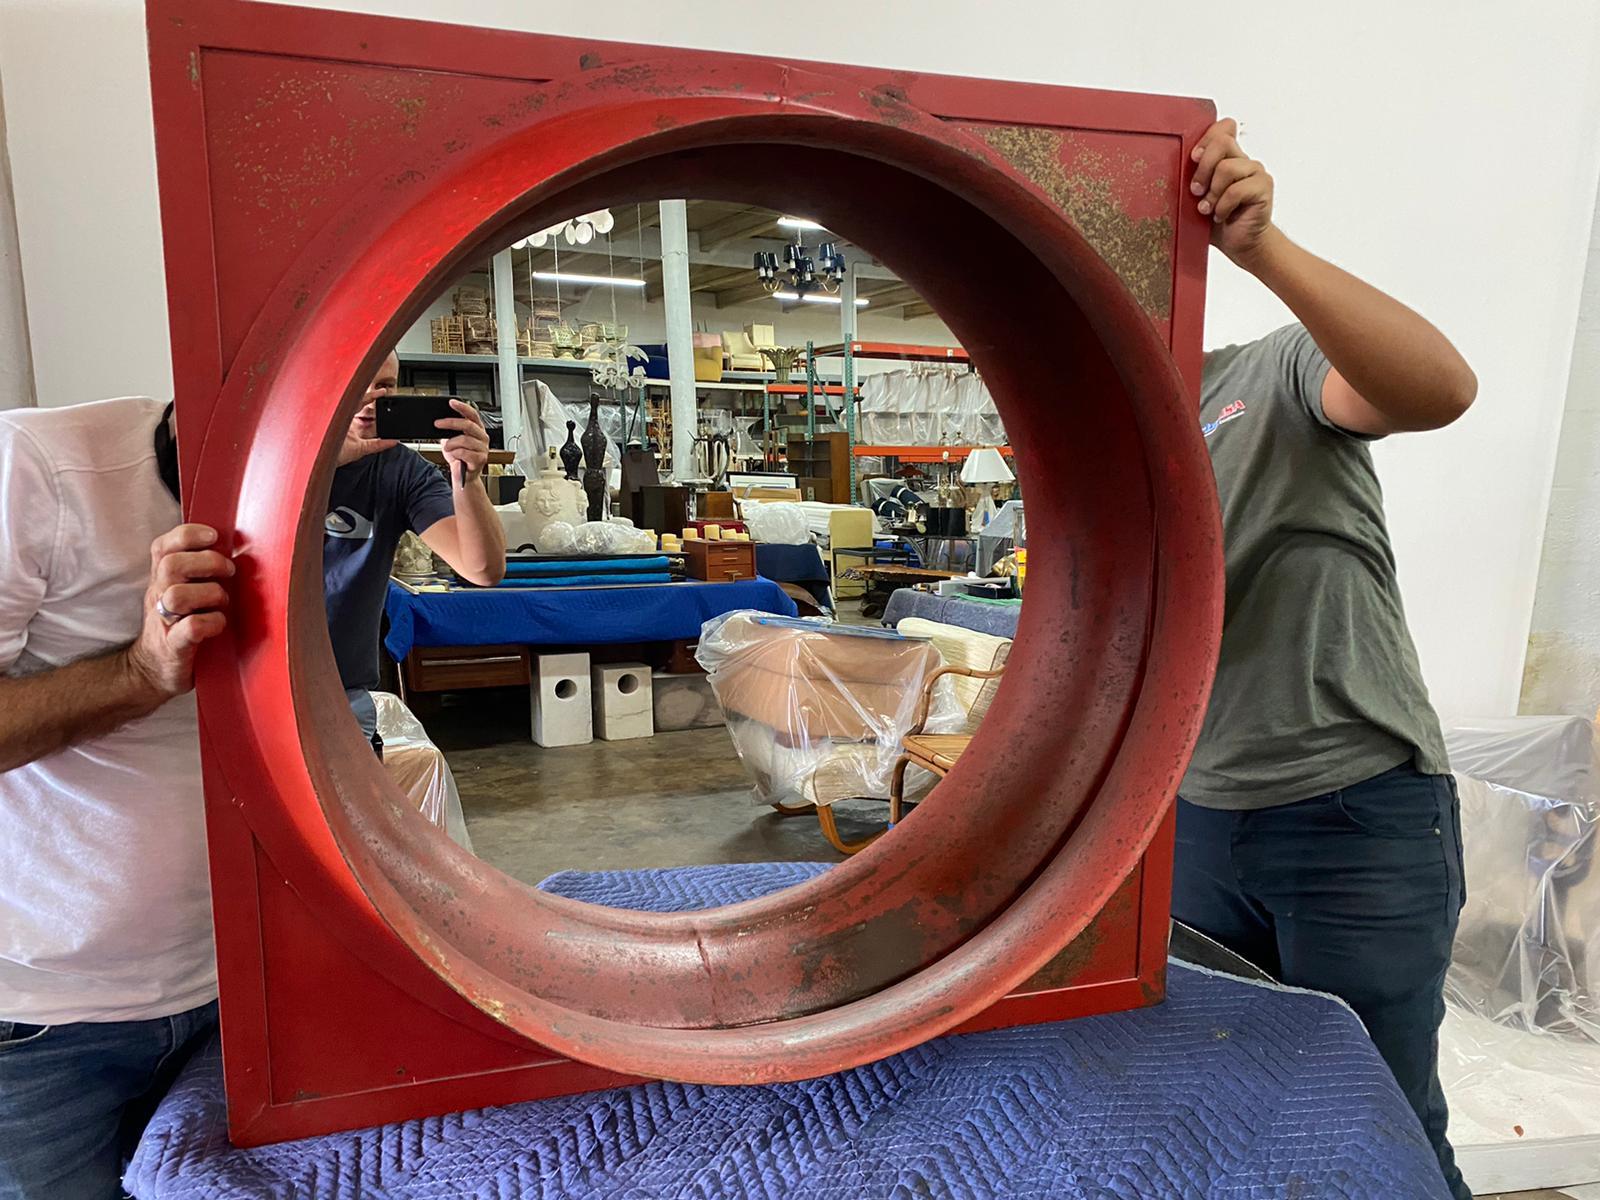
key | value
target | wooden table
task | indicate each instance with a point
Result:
(883, 580)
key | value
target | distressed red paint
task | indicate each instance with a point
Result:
(370, 970)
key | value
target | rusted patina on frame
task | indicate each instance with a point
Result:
(1121, 202)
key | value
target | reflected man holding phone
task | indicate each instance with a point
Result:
(381, 490)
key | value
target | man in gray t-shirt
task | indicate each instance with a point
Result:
(1318, 829)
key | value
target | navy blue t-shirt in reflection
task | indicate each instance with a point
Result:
(373, 501)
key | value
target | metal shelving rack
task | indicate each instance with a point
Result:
(905, 351)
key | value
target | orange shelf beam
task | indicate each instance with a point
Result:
(921, 453)
(900, 350)
(799, 389)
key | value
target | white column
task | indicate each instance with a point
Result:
(680, 340)
(847, 303)
(510, 376)
(847, 332)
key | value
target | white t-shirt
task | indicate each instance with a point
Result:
(105, 900)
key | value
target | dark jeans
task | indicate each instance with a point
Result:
(1356, 893)
(75, 1098)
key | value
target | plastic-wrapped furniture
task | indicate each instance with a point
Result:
(1519, 1050)
(819, 713)
(816, 710)
(1528, 947)
(419, 768)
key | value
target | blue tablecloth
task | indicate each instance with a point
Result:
(663, 612)
(1228, 1090)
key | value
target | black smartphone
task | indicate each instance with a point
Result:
(410, 418)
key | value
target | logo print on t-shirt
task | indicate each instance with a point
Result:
(1228, 413)
(347, 523)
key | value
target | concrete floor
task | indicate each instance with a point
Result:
(676, 799)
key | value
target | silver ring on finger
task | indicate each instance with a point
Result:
(166, 614)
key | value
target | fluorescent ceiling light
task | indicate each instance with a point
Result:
(814, 298)
(797, 223)
(603, 280)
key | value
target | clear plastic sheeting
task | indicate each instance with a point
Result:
(1519, 1051)
(1529, 942)
(817, 515)
(614, 423)
(780, 523)
(927, 406)
(419, 768)
(817, 710)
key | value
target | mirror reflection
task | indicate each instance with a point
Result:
(675, 533)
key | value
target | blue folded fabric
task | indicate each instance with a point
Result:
(589, 566)
(550, 616)
(628, 578)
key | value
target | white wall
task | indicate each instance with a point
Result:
(1447, 149)
(16, 366)
(1562, 672)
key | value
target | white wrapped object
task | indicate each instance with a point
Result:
(418, 767)
(558, 537)
(1528, 950)
(781, 523)
(544, 424)
(628, 540)
(816, 513)
(923, 406)
(594, 537)
(1519, 1051)
(817, 710)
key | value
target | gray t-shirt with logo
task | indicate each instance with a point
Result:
(1318, 685)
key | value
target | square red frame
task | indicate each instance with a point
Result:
(266, 119)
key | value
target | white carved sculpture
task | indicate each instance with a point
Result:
(549, 498)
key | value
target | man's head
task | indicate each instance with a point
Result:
(364, 424)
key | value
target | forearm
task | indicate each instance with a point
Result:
(51, 711)
(481, 541)
(1395, 359)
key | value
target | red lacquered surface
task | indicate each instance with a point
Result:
(323, 175)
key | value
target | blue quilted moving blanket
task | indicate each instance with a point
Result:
(1228, 1090)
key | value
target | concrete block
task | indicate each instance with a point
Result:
(561, 711)
(622, 701)
(684, 702)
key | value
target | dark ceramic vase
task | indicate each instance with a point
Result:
(571, 455)
(594, 460)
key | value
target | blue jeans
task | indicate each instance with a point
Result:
(1356, 893)
(74, 1099)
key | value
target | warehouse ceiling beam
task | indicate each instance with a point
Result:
(738, 227)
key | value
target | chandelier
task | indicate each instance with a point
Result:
(800, 273)
(578, 231)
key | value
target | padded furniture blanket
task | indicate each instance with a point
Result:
(1229, 1090)
(998, 617)
(662, 612)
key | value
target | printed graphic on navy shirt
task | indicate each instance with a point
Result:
(373, 501)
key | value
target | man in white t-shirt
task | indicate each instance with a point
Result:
(107, 971)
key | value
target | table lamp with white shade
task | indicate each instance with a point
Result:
(984, 468)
